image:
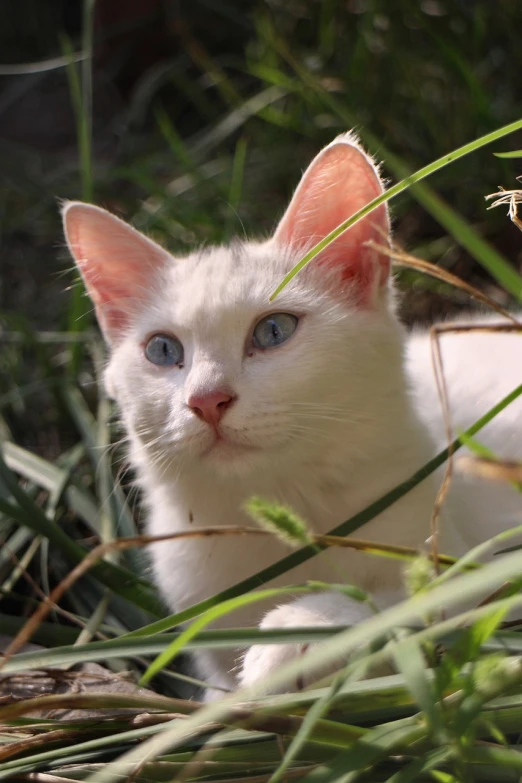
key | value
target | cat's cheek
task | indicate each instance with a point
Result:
(123, 376)
(109, 383)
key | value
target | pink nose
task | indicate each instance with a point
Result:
(211, 406)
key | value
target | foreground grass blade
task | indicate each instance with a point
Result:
(326, 732)
(316, 711)
(54, 480)
(126, 647)
(411, 772)
(410, 661)
(376, 745)
(122, 581)
(463, 588)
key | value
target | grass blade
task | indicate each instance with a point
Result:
(410, 661)
(512, 154)
(122, 581)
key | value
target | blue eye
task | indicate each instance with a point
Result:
(164, 350)
(274, 329)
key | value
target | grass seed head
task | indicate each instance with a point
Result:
(279, 520)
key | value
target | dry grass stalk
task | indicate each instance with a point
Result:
(401, 258)
(511, 197)
(492, 469)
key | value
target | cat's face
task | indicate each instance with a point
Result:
(212, 372)
(206, 370)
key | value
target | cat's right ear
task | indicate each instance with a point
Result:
(338, 183)
(117, 263)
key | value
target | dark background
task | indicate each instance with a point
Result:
(421, 77)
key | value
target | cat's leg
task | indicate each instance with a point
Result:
(214, 668)
(321, 609)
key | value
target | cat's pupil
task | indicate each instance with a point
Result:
(163, 350)
(274, 329)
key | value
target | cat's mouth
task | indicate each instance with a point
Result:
(224, 446)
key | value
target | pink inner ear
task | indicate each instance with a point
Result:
(339, 182)
(116, 261)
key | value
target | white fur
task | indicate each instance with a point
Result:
(480, 369)
(326, 423)
(326, 415)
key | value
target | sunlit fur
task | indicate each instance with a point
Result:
(326, 423)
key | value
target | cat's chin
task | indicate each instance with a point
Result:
(226, 449)
(225, 456)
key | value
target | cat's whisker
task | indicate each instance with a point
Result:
(303, 434)
(324, 417)
(307, 406)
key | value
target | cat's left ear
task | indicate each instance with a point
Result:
(118, 264)
(339, 182)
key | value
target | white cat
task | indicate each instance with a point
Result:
(307, 401)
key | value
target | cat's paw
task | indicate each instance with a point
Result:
(262, 659)
(317, 610)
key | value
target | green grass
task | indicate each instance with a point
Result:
(224, 134)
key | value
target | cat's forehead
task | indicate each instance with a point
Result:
(239, 276)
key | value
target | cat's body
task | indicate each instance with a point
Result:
(316, 449)
(480, 369)
(326, 421)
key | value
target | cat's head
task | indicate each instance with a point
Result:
(206, 370)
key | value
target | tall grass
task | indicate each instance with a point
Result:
(80, 86)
